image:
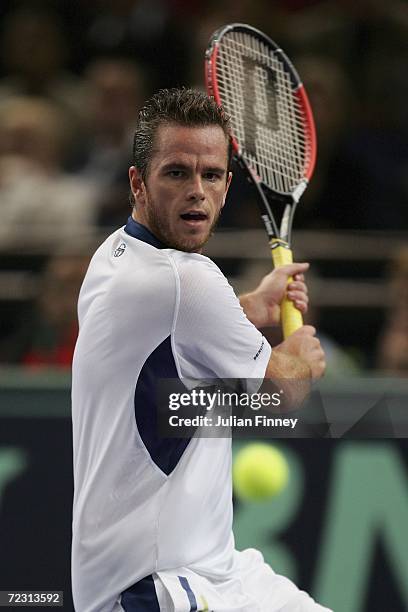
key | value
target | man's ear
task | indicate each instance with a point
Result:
(229, 179)
(137, 186)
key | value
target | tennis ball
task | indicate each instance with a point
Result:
(259, 471)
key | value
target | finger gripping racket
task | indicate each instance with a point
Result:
(273, 133)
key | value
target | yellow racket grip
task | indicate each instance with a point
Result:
(291, 317)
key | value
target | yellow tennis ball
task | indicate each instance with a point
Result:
(259, 471)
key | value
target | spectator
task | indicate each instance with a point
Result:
(34, 58)
(48, 337)
(115, 89)
(34, 189)
(141, 29)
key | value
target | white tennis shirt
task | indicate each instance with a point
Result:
(142, 503)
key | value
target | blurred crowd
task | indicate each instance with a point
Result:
(73, 76)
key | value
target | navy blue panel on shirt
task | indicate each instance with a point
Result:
(139, 231)
(141, 597)
(191, 597)
(165, 452)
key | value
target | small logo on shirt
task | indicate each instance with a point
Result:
(119, 250)
(260, 350)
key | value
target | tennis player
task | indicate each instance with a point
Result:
(152, 524)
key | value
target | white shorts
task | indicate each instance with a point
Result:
(254, 587)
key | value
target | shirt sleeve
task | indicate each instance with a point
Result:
(212, 337)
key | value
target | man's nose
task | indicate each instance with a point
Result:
(195, 189)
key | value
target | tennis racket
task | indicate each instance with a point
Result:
(273, 133)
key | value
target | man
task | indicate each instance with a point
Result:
(153, 516)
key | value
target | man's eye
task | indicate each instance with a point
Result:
(176, 173)
(211, 176)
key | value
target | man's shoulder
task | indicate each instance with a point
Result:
(121, 250)
(201, 284)
(193, 265)
(126, 265)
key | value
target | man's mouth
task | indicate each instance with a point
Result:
(194, 217)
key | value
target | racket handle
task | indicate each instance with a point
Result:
(291, 317)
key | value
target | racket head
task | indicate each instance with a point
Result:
(272, 122)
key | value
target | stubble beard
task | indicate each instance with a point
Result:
(161, 229)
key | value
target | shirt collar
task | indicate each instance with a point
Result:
(139, 231)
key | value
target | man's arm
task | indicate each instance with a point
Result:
(299, 359)
(262, 306)
(300, 356)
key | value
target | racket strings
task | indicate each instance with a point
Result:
(265, 152)
(267, 118)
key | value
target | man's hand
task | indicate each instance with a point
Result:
(305, 348)
(294, 364)
(262, 306)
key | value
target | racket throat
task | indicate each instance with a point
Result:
(270, 230)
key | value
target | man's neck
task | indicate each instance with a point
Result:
(140, 231)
